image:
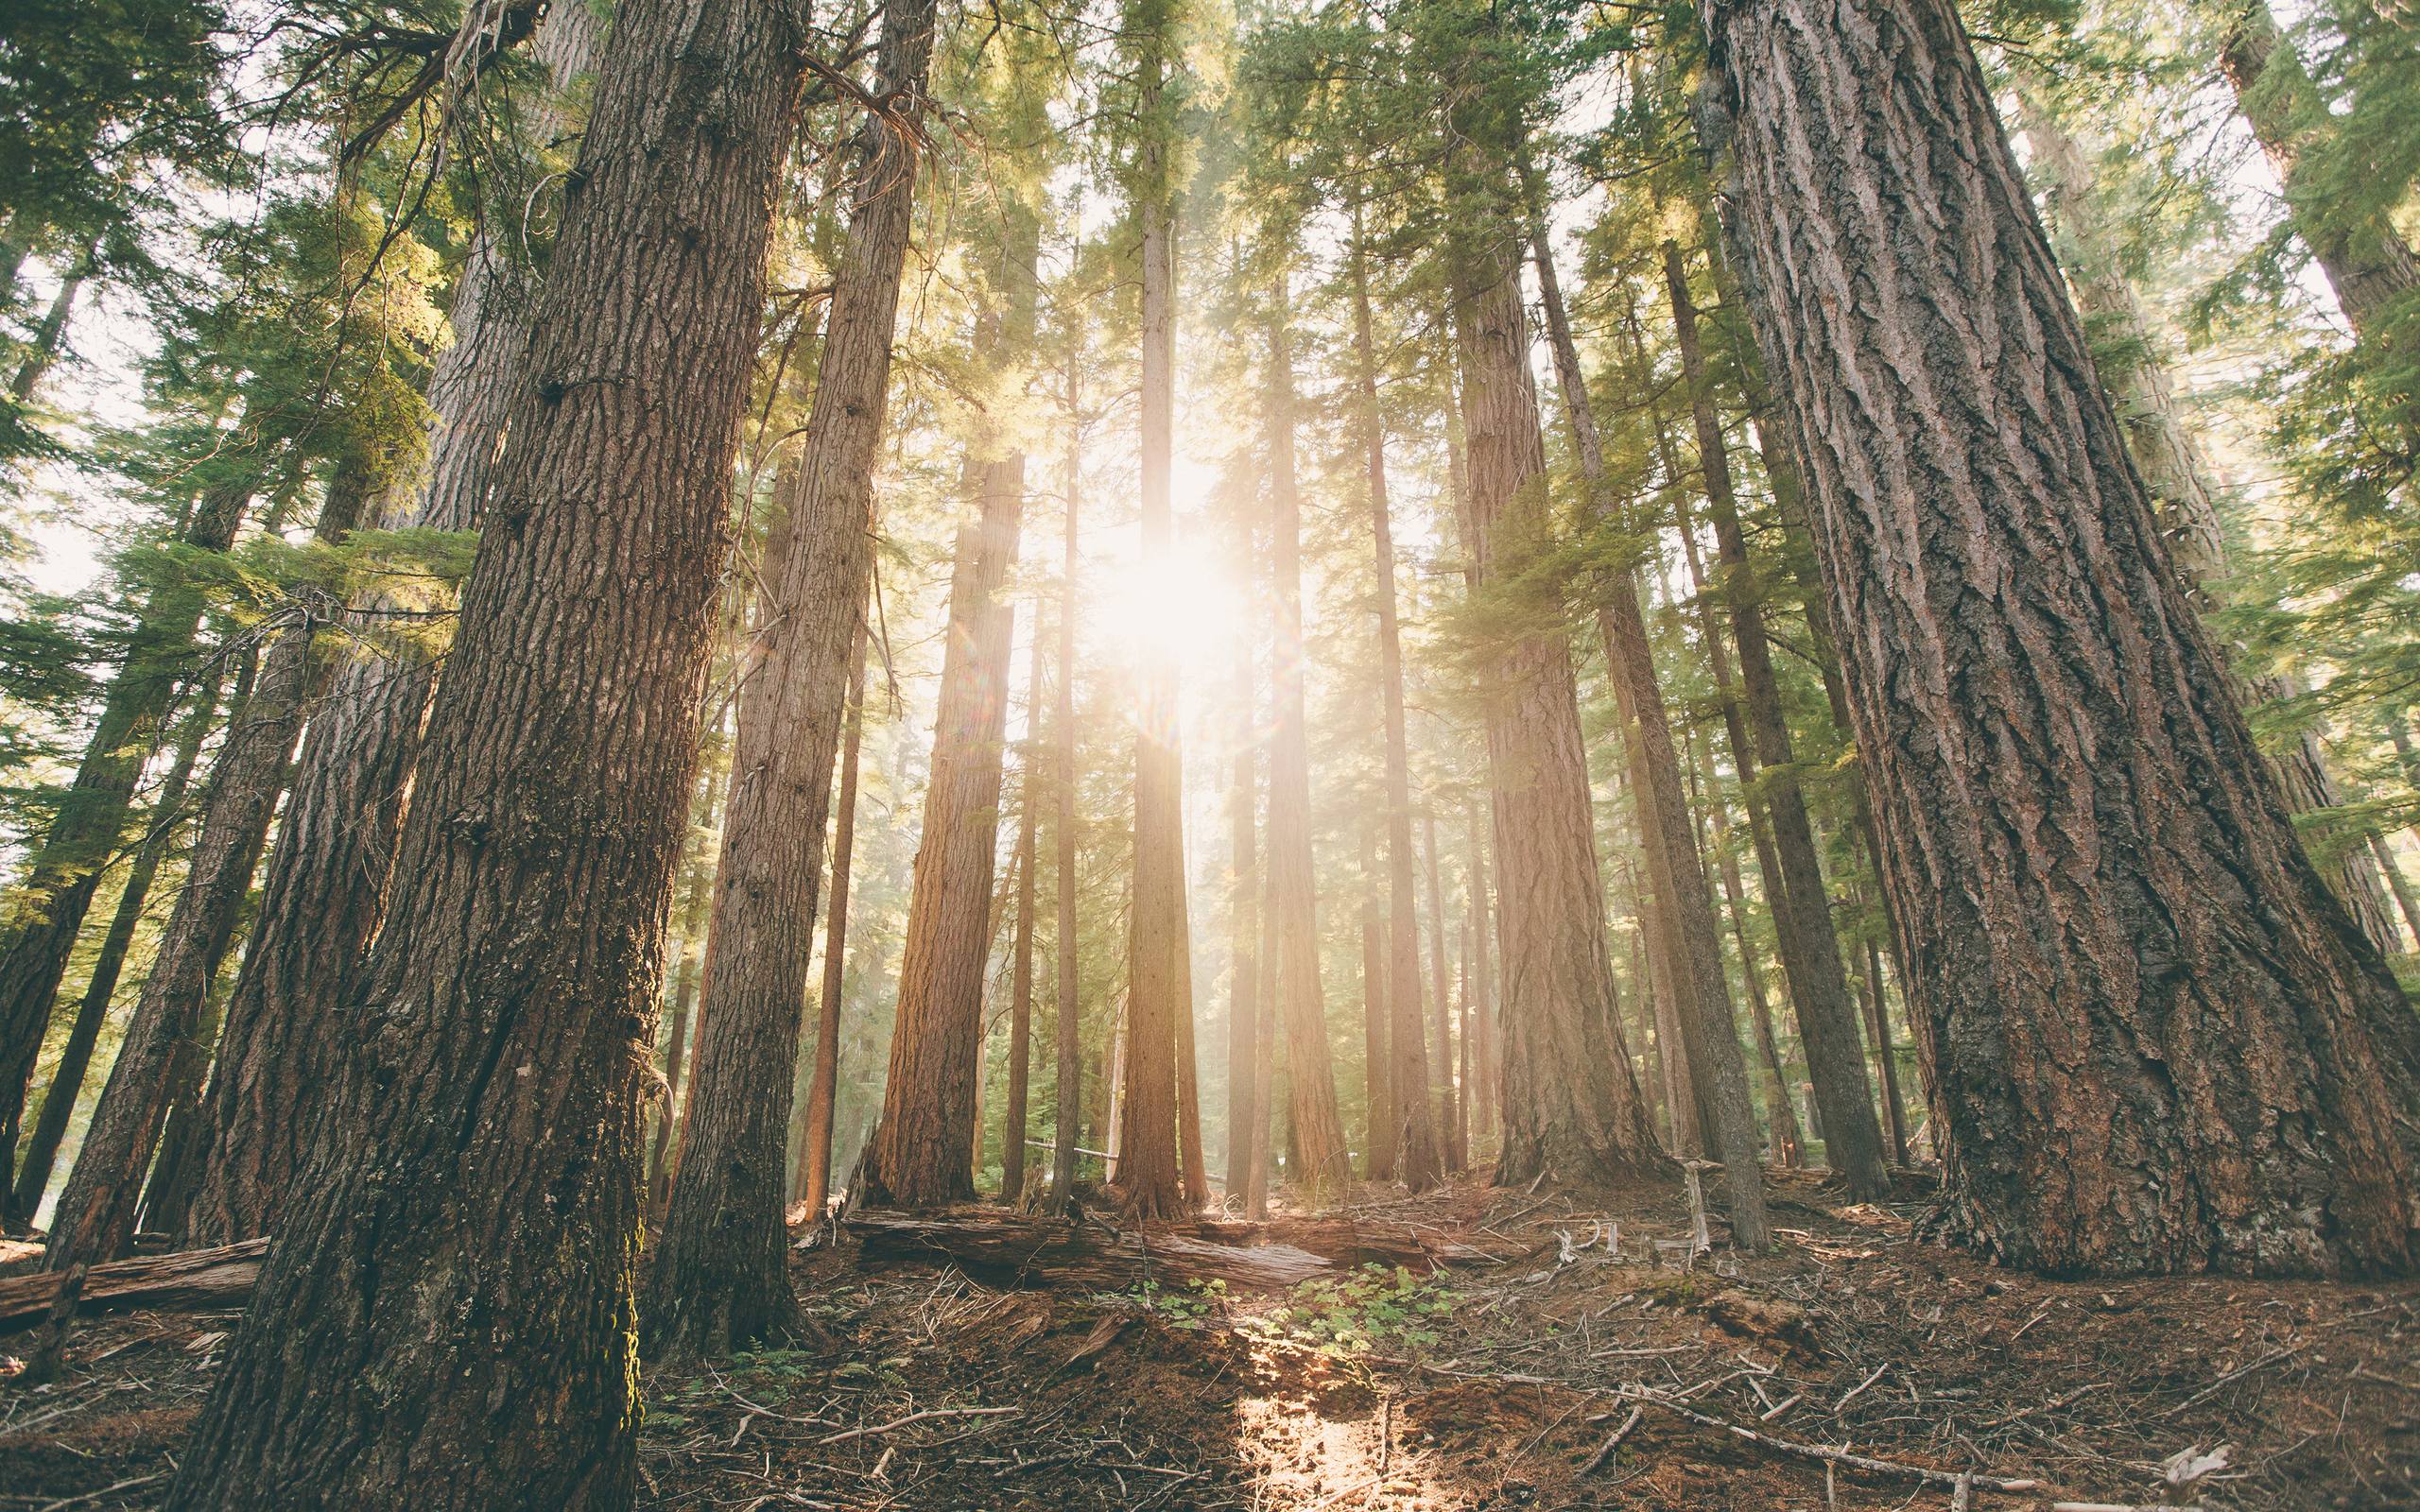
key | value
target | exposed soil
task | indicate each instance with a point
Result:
(1854, 1335)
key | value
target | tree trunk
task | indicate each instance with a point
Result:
(1021, 1000)
(1157, 924)
(1379, 1153)
(1886, 1060)
(824, 1087)
(2171, 464)
(1489, 1058)
(719, 1280)
(688, 963)
(1192, 1160)
(328, 877)
(169, 1032)
(49, 900)
(51, 332)
(1571, 1109)
(2368, 264)
(2158, 1043)
(1310, 1080)
(1693, 967)
(1412, 1142)
(1455, 1150)
(1809, 947)
(76, 1056)
(479, 1161)
(1069, 1028)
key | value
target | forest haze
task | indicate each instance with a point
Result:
(1436, 754)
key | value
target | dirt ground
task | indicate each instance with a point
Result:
(1497, 1383)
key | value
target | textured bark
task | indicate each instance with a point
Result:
(1146, 1169)
(49, 902)
(919, 1154)
(2158, 1043)
(1571, 1109)
(2171, 466)
(325, 888)
(76, 1056)
(2368, 264)
(718, 1279)
(823, 1086)
(1810, 949)
(1310, 1079)
(169, 1037)
(1701, 993)
(1070, 1083)
(444, 1318)
(1021, 964)
(1046, 1252)
(1411, 1143)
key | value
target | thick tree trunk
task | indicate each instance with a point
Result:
(479, 1161)
(76, 1056)
(2136, 378)
(1809, 947)
(719, 1277)
(1310, 1079)
(327, 880)
(169, 1039)
(1571, 1109)
(1155, 948)
(1701, 993)
(49, 902)
(823, 1085)
(2158, 1043)
(1412, 1149)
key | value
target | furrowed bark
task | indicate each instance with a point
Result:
(2158, 1043)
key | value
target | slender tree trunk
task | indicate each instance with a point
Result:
(50, 333)
(1156, 952)
(2368, 264)
(1571, 1109)
(1489, 1059)
(484, 1142)
(2404, 901)
(1411, 1143)
(2158, 1043)
(1192, 1160)
(1456, 1151)
(1801, 912)
(328, 877)
(719, 1280)
(165, 1047)
(76, 1056)
(1378, 1157)
(1693, 968)
(824, 1087)
(1310, 1079)
(1021, 1000)
(1886, 1060)
(688, 965)
(1781, 1118)
(1070, 1085)
(49, 902)
(1248, 1051)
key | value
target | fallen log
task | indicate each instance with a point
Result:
(1010, 1250)
(1345, 1242)
(197, 1278)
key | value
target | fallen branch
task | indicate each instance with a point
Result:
(918, 1418)
(1612, 1441)
(197, 1278)
(1831, 1456)
(1052, 1252)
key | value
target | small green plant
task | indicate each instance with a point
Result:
(1355, 1313)
(1184, 1309)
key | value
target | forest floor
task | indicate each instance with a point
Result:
(1496, 1383)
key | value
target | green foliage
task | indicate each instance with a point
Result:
(1368, 1308)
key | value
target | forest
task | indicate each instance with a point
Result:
(1258, 754)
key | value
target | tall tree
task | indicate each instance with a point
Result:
(1310, 1077)
(2158, 1043)
(919, 1154)
(823, 1085)
(484, 1142)
(327, 883)
(1069, 1028)
(1021, 964)
(718, 1279)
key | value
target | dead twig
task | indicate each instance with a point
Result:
(1612, 1441)
(920, 1416)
